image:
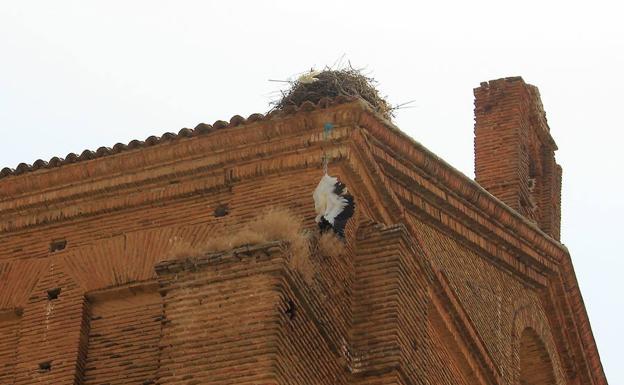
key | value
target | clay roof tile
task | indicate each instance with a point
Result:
(103, 151)
(255, 118)
(203, 128)
(168, 136)
(39, 163)
(70, 158)
(220, 124)
(6, 171)
(86, 155)
(135, 144)
(55, 162)
(119, 147)
(186, 133)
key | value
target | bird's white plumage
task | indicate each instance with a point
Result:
(327, 203)
(308, 77)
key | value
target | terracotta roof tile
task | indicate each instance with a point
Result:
(200, 129)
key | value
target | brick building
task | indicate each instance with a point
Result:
(443, 280)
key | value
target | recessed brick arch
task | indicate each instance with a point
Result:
(534, 356)
(535, 364)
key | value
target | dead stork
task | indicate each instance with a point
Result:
(333, 204)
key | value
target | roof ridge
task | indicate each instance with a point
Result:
(200, 129)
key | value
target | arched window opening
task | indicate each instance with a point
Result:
(535, 364)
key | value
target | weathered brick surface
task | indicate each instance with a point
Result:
(491, 300)
(9, 334)
(52, 330)
(124, 336)
(390, 300)
(439, 281)
(514, 152)
(220, 324)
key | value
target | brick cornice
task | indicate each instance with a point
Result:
(446, 177)
(183, 166)
(202, 164)
(143, 163)
(151, 166)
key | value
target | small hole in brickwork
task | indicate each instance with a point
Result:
(291, 309)
(45, 366)
(54, 293)
(58, 245)
(221, 210)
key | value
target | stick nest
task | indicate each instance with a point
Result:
(332, 83)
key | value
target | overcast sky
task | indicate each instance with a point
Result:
(77, 75)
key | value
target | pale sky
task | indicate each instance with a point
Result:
(84, 74)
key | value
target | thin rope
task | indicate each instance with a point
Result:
(324, 164)
(325, 159)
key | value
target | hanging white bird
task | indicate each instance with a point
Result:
(333, 204)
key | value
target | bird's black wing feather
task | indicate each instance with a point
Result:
(340, 222)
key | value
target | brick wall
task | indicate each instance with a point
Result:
(9, 336)
(437, 282)
(124, 336)
(491, 303)
(52, 330)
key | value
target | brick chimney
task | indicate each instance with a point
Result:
(514, 152)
